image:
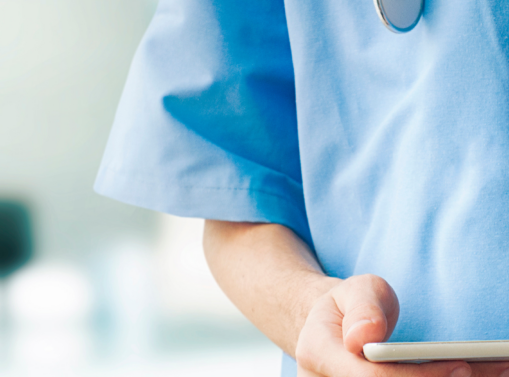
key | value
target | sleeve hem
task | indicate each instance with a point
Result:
(240, 204)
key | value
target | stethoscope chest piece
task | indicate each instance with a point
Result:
(399, 16)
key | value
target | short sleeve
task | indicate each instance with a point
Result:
(206, 126)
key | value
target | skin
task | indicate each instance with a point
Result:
(272, 277)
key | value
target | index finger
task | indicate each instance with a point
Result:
(433, 369)
(495, 369)
(361, 367)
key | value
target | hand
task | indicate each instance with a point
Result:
(359, 310)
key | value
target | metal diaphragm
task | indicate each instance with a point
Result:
(400, 16)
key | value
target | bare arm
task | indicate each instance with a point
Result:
(273, 278)
(251, 260)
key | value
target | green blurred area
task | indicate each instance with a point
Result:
(16, 242)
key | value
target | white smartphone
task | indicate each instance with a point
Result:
(422, 352)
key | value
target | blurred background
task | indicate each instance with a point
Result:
(90, 286)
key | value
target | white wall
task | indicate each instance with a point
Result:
(63, 64)
(62, 67)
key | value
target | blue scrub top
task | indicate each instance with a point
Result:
(388, 153)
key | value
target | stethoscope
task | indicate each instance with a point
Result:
(399, 16)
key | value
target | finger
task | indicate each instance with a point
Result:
(320, 345)
(434, 369)
(320, 352)
(495, 369)
(357, 366)
(370, 308)
(346, 364)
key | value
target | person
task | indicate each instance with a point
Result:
(354, 180)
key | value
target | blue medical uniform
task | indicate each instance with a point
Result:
(387, 153)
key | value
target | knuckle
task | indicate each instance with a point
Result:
(368, 280)
(380, 286)
(362, 310)
(377, 283)
(312, 350)
(304, 353)
(305, 357)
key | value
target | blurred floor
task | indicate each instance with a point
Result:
(245, 363)
(132, 310)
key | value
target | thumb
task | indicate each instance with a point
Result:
(370, 310)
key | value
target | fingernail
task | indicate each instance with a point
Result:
(505, 373)
(357, 324)
(461, 372)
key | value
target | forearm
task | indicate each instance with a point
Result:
(269, 273)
